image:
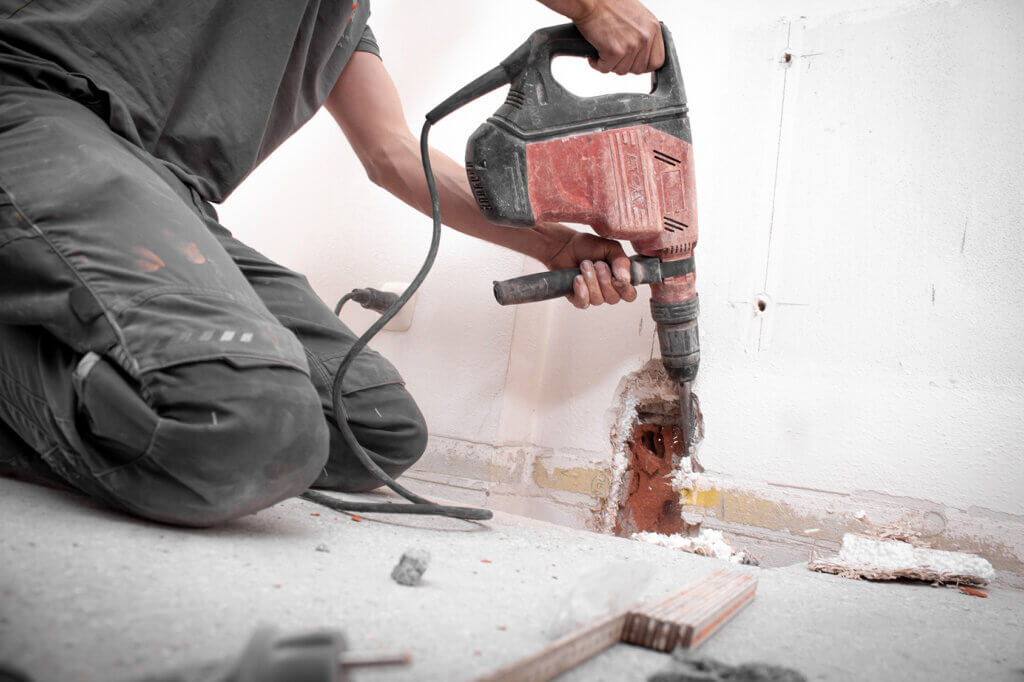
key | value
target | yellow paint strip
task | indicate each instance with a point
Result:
(592, 482)
(699, 498)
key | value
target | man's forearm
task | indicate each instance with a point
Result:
(400, 172)
(573, 9)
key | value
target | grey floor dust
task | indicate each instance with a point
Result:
(89, 594)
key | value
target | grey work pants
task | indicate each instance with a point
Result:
(149, 359)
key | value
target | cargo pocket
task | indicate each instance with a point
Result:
(111, 413)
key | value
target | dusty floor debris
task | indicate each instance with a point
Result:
(90, 595)
(889, 559)
(709, 542)
(410, 567)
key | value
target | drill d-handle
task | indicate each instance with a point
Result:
(530, 66)
(547, 285)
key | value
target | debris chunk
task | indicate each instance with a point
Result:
(323, 548)
(410, 567)
(888, 559)
(708, 542)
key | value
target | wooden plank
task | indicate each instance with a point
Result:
(685, 618)
(710, 625)
(565, 654)
(689, 617)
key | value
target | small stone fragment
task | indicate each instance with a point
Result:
(410, 567)
(323, 548)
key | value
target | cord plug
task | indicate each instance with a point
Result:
(371, 299)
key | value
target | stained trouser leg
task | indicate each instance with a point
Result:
(135, 359)
(382, 414)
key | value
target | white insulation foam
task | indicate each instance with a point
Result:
(878, 559)
(709, 543)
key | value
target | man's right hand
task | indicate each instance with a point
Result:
(627, 36)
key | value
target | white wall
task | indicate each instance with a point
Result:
(873, 190)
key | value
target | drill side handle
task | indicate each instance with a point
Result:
(543, 286)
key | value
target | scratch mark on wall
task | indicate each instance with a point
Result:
(775, 180)
(963, 240)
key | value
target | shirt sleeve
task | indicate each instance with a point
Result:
(368, 43)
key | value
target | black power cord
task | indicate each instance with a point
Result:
(417, 505)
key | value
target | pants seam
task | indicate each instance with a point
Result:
(16, 409)
(81, 279)
(18, 239)
(146, 452)
(321, 368)
(22, 386)
(169, 289)
(311, 323)
(222, 356)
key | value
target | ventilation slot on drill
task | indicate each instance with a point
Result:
(671, 225)
(477, 185)
(515, 99)
(665, 158)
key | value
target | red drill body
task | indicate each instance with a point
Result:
(622, 164)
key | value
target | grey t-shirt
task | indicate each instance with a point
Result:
(210, 87)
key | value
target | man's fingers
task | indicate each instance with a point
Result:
(641, 53)
(579, 297)
(604, 278)
(640, 62)
(590, 279)
(627, 292)
(623, 66)
(643, 62)
(601, 65)
(657, 52)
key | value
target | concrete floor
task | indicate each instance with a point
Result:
(89, 594)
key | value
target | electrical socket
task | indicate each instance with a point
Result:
(403, 320)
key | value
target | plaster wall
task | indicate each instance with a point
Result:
(871, 190)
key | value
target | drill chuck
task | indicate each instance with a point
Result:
(677, 336)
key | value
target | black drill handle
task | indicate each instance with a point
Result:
(531, 64)
(541, 286)
(544, 286)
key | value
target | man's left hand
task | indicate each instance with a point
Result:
(603, 263)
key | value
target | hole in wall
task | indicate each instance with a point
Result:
(655, 453)
(761, 303)
(645, 432)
